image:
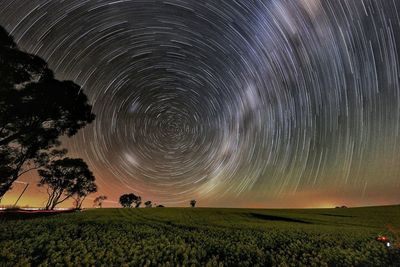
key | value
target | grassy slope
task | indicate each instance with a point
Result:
(202, 236)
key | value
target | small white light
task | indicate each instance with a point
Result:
(388, 244)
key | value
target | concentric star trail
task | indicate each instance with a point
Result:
(213, 99)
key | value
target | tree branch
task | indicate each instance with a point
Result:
(68, 196)
(28, 170)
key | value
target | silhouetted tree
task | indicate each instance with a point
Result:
(35, 110)
(83, 188)
(65, 178)
(127, 200)
(148, 204)
(138, 201)
(160, 206)
(98, 201)
(192, 203)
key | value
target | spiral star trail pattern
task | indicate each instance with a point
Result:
(238, 100)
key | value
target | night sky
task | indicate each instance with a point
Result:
(234, 103)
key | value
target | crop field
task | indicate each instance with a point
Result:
(202, 237)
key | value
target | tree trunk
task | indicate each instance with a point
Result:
(53, 205)
(81, 202)
(5, 186)
(55, 201)
(50, 203)
(50, 200)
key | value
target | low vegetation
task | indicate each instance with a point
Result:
(202, 237)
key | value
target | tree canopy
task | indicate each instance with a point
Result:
(126, 200)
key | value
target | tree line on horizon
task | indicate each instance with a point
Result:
(127, 201)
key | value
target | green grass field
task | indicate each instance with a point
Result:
(201, 237)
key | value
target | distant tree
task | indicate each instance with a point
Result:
(65, 178)
(148, 204)
(192, 203)
(160, 206)
(127, 200)
(98, 201)
(138, 201)
(35, 110)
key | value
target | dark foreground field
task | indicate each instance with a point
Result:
(201, 237)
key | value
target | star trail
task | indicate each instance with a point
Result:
(229, 101)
